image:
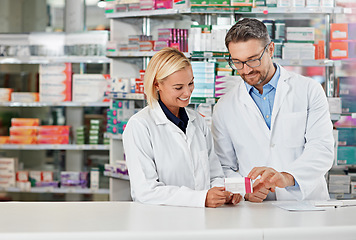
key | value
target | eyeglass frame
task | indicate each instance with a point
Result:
(232, 65)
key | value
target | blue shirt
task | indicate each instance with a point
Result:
(265, 100)
(181, 122)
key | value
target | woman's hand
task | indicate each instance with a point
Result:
(215, 197)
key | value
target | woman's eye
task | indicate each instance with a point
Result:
(179, 88)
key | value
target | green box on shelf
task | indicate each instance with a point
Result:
(219, 2)
(346, 155)
(204, 28)
(195, 3)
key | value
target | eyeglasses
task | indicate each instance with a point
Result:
(253, 63)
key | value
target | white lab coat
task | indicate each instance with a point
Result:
(300, 141)
(167, 166)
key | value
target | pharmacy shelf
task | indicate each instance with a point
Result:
(305, 62)
(57, 190)
(296, 10)
(116, 175)
(127, 96)
(53, 147)
(135, 54)
(210, 10)
(55, 104)
(147, 13)
(50, 59)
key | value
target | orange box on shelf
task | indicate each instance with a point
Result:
(53, 139)
(25, 122)
(339, 50)
(23, 131)
(4, 139)
(339, 31)
(23, 139)
(53, 130)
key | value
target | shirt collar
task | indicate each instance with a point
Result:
(180, 122)
(273, 82)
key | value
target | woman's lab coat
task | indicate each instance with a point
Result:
(300, 141)
(167, 166)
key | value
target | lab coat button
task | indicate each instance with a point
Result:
(272, 145)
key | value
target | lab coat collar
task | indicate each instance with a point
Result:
(160, 118)
(281, 93)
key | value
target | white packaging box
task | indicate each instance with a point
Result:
(8, 164)
(339, 179)
(327, 3)
(24, 97)
(312, 3)
(334, 104)
(297, 3)
(55, 68)
(339, 188)
(94, 179)
(353, 187)
(37, 175)
(298, 51)
(121, 85)
(283, 3)
(194, 39)
(5, 94)
(6, 182)
(300, 34)
(90, 87)
(55, 87)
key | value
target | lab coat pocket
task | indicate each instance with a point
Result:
(294, 125)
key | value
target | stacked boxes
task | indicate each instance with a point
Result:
(347, 93)
(53, 135)
(8, 167)
(224, 83)
(300, 43)
(24, 97)
(339, 183)
(28, 131)
(90, 87)
(74, 179)
(24, 130)
(94, 131)
(80, 135)
(204, 79)
(55, 82)
(343, 40)
(172, 37)
(119, 114)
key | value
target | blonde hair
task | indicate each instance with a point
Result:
(164, 63)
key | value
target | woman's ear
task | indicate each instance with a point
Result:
(155, 83)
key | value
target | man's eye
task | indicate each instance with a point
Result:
(191, 83)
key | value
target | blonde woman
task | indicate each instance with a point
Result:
(169, 149)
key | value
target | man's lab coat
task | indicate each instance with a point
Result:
(300, 141)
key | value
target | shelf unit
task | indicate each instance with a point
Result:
(74, 152)
(293, 13)
(57, 190)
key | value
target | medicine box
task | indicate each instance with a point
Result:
(90, 87)
(347, 137)
(342, 31)
(346, 155)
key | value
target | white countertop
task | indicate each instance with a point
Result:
(128, 220)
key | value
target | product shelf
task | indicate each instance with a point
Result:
(116, 175)
(115, 136)
(135, 54)
(127, 96)
(53, 59)
(254, 11)
(55, 104)
(57, 190)
(54, 147)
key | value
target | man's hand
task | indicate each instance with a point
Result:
(232, 198)
(271, 178)
(215, 197)
(260, 192)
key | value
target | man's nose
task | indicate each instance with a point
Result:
(246, 69)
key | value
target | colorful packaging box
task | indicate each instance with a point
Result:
(25, 122)
(53, 130)
(53, 139)
(5, 94)
(90, 87)
(23, 139)
(23, 131)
